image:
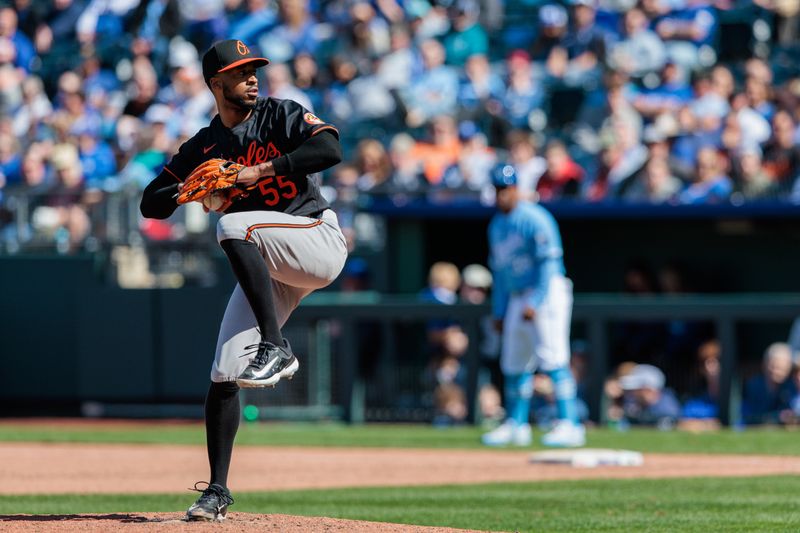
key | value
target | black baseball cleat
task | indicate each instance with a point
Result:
(270, 364)
(212, 505)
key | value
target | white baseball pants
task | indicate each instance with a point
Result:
(541, 343)
(303, 254)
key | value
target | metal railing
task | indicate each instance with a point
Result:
(596, 311)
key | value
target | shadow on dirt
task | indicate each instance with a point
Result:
(124, 518)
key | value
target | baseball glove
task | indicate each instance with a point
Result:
(214, 177)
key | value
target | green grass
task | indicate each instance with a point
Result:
(704, 505)
(773, 441)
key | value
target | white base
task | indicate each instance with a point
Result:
(589, 458)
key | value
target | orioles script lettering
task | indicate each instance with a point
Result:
(258, 154)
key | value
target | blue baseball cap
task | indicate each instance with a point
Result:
(504, 176)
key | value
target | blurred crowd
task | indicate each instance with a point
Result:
(655, 101)
(640, 394)
(601, 101)
(665, 375)
(668, 374)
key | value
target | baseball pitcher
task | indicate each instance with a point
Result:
(251, 163)
(532, 305)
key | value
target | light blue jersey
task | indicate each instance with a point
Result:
(525, 252)
(526, 258)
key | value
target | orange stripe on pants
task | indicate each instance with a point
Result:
(251, 229)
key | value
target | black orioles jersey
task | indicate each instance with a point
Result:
(275, 127)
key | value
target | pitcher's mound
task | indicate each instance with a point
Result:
(589, 457)
(174, 523)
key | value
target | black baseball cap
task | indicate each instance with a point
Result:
(227, 55)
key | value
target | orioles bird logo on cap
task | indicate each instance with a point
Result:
(242, 48)
(312, 119)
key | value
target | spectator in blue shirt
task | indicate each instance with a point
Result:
(307, 78)
(711, 185)
(769, 392)
(758, 97)
(687, 32)
(646, 400)
(710, 103)
(98, 82)
(96, 156)
(203, 21)
(151, 26)
(667, 97)
(701, 408)
(792, 414)
(336, 97)
(22, 45)
(640, 51)
(444, 280)
(523, 93)
(56, 40)
(297, 32)
(434, 91)
(10, 160)
(702, 120)
(259, 16)
(577, 59)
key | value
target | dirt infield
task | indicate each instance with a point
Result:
(172, 523)
(38, 468)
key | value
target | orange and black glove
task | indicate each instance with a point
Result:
(214, 177)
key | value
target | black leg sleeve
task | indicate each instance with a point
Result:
(253, 276)
(222, 421)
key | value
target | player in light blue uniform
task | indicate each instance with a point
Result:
(532, 304)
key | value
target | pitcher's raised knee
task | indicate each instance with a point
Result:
(232, 226)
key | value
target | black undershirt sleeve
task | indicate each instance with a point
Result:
(315, 155)
(159, 197)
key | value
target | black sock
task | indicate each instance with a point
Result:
(222, 421)
(253, 276)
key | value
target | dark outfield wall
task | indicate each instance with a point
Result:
(716, 254)
(68, 337)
